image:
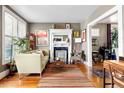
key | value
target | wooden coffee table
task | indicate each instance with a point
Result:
(59, 63)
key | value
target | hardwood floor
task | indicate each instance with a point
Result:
(97, 81)
(31, 81)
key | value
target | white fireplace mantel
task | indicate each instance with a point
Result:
(53, 44)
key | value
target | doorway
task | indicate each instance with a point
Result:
(116, 9)
(105, 39)
(104, 42)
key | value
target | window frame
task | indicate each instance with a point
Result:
(95, 30)
(7, 10)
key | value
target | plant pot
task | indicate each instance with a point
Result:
(116, 53)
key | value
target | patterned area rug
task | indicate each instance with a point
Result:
(100, 73)
(63, 77)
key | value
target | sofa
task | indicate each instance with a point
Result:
(32, 62)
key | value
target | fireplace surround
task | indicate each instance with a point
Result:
(60, 45)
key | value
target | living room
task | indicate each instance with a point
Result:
(52, 43)
(53, 40)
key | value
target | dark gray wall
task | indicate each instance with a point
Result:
(102, 39)
(46, 26)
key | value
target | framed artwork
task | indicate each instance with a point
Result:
(95, 42)
(42, 38)
(76, 34)
(84, 35)
(68, 26)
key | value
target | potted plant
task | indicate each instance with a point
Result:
(115, 42)
(22, 45)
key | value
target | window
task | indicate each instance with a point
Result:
(13, 28)
(95, 32)
(8, 48)
(21, 29)
(10, 30)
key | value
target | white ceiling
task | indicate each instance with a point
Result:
(111, 19)
(55, 13)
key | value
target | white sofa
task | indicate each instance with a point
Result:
(31, 63)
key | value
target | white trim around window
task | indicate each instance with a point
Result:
(6, 10)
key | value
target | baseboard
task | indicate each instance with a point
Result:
(4, 74)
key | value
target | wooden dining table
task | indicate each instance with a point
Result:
(114, 63)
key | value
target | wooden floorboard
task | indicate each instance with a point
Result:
(31, 81)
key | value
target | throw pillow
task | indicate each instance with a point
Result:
(44, 52)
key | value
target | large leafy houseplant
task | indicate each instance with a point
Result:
(114, 43)
(22, 45)
(114, 38)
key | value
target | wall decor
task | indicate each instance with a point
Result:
(41, 38)
(76, 34)
(84, 35)
(77, 40)
(68, 26)
(59, 26)
(53, 26)
(95, 42)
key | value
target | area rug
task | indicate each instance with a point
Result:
(67, 76)
(100, 73)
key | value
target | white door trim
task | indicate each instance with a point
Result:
(89, 37)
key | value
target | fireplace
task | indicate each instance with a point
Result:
(60, 45)
(61, 53)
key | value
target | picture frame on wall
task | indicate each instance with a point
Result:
(41, 38)
(95, 42)
(84, 35)
(68, 26)
(76, 34)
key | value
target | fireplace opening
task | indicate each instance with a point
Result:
(61, 53)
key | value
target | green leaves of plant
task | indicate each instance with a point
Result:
(22, 44)
(114, 38)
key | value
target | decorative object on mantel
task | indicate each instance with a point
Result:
(68, 26)
(67, 40)
(41, 38)
(53, 26)
(59, 26)
(84, 35)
